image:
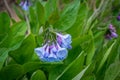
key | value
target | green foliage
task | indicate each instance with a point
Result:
(113, 71)
(68, 16)
(11, 72)
(4, 23)
(25, 52)
(92, 57)
(38, 75)
(3, 56)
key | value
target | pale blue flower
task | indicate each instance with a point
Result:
(64, 40)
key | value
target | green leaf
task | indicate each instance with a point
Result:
(32, 66)
(25, 52)
(105, 56)
(80, 75)
(3, 56)
(34, 23)
(90, 50)
(68, 16)
(4, 22)
(78, 26)
(54, 17)
(40, 13)
(58, 69)
(113, 71)
(73, 69)
(38, 75)
(15, 36)
(80, 39)
(89, 77)
(11, 72)
(3, 37)
(50, 7)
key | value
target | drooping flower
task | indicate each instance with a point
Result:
(25, 4)
(111, 32)
(64, 40)
(51, 53)
(54, 47)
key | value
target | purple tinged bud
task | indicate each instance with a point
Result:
(107, 36)
(111, 28)
(111, 33)
(118, 17)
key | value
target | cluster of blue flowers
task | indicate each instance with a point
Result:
(111, 33)
(55, 51)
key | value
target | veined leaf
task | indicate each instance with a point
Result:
(50, 7)
(72, 69)
(40, 13)
(25, 51)
(68, 16)
(3, 56)
(105, 56)
(38, 75)
(79, 76)
(4, 23)
(113, 71)
(11, 72)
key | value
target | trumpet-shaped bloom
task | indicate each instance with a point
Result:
(64, 40)
(51, 53)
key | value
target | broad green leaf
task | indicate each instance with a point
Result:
(114, 52)
(54, 17)
(18, 29)
(3, 56)
(4, 22)
(40, 13)
(58, 69)
(80, 39)
(25, 52)
(68, 16)
(50, 7)
(32, 66)
(80, 75)
(11, 72)
(90, 50)
(15, 36)
(89, 77)
(34, 23)
(105, 56)
(38, 75)
(3, 37)
(72, 69)
(78, 26)
(113, 71)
